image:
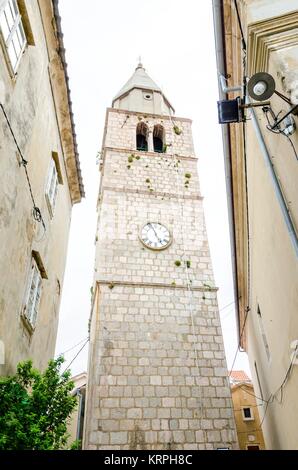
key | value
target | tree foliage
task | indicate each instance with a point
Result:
(35, 407)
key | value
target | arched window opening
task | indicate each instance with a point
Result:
(158, 138)
(142, 137)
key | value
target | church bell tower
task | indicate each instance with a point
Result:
(157, 376)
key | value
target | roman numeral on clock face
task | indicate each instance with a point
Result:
(155, 236)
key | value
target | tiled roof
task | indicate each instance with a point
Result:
(239, 376)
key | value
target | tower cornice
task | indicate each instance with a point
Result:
(149, 115)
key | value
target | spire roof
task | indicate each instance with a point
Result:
(141, 80)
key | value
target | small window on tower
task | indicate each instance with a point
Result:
(158, 138)
(247, 414)
(142, 137)
(147, 96)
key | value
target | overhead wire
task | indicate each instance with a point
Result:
(273, 396)
(267, 110)
(240, 26)
(74, 358)
(239, 343)
(72, 347)
(36, 211)
(228, 305)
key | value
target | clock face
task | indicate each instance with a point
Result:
(155, 236)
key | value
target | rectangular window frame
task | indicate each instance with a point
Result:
(263, 334)
(33, 294)
(251, 417)
(12, 33)
(259, 382)
(54, 179)
(33, 291)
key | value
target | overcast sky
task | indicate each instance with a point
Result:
(103, 40)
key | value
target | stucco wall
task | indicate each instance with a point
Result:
(28, 102)
(249, 431)
(270, 280)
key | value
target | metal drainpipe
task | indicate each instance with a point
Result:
(79, 414)
(276, 185)
(221, 69)
(228, 89)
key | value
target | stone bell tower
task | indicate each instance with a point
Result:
(157, 370)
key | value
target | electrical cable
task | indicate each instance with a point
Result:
(273, 397)
(228, 305)
(253, 395)
(280, 388)
(239, 344)
(266, 110)
(240, 26)
(80, 350)
(291, 143)
(36, 211)
(227, 314)
(73, 347)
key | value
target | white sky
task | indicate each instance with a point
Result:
(103, 39)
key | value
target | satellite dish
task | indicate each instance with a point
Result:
(261, 86)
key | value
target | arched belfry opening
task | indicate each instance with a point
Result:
(158, 138)
(142, 137)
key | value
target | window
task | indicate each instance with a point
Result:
(33, 293)
(158, 138)
(247, 414)
(12, 32)
(34, 287)
(54, 179)
(142, 137)
(147, 96)
(258, 379)
(263, 334)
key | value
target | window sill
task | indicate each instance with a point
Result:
(26, 323)
(13, 73)
(49, 205)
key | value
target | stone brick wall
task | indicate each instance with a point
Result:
(157, 371)
(121, 131)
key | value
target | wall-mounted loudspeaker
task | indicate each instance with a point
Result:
(261, 86)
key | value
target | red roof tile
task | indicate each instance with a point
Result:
(239, 376)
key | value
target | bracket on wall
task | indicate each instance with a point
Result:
(260, 87)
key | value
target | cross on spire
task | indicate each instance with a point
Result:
(140, 65)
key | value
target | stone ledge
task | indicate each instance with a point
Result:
(152, 194)
(151, 154)
(155, 284)
(149, 115)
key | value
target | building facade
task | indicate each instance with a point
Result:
(157, 376)
(40, 179)
(76, 422)
(261, 175)
(248, 424)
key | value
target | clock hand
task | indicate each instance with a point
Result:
(155, 233)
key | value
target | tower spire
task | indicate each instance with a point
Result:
(140, 65)
(133, 95)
